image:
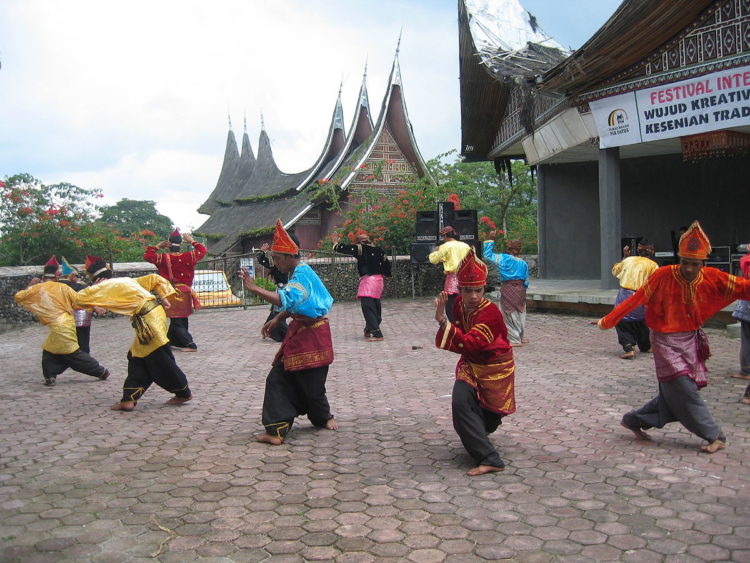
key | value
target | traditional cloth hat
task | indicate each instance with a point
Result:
(449, 230)
(67, 269)
(694, 243)
(95, 266)
(175, 238)
(51, 267)
(282, 242)
(471, 272)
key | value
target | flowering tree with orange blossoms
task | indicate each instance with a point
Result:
(501, 205)
(38, 220)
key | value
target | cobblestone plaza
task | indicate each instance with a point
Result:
(81, 482)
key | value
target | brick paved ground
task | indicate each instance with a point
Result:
(79, 481)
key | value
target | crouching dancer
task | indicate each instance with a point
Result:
(483, 392)
(53, 304)
(150, 360)
(296, 384)
(679, 299)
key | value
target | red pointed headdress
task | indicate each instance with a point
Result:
(471, 272)
(694, 243)
(51, 267)
(175, 237)
(94, 265)
(282, 242)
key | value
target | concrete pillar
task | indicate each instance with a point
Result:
(610, 217)
(541, 216)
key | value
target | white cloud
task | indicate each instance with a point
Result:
(132, 96)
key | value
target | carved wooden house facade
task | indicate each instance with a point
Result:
(666, 169)
(251, 192)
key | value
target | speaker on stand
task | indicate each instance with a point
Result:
(465, 223)
(426, 227)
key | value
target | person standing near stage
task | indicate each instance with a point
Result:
(484, 390)
(449, 254)
(53, 303)
(514, 280)
(179, 269)
(742, 314)
(150, 359)
(296, 384)
(632, 272)
(680, 299)
(372, 265)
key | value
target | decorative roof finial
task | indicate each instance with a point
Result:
(341, 85)
(398, 44)
(244, 119)
(365, 74)
(229, 117)
(262, 123)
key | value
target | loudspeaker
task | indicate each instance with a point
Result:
(427, 229)
(465, 223)
(632, 242)
(420, 252)
(445, 214)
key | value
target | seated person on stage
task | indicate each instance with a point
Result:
(296, 384)
(484, 390)
(150, 359)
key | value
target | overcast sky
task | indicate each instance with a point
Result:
(133, 96)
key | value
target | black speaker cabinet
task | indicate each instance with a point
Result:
(427, 229)
(445, 214)
(465, 223)
(420, 252)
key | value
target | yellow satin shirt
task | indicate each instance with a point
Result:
(53, 304)
(126, 296)
(633, 271)
(450, 253)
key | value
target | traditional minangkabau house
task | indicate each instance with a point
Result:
(636, 134)
(252, 193)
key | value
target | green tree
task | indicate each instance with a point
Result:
(510, 205)
(132, 216)
(389, 218)
(37, 220)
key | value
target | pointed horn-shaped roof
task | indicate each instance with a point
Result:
(333, 149)
(393, 113)
(223, 189)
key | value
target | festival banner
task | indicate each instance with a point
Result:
(720, 100)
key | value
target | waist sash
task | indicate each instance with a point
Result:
(307, 344)
(493, 382)
(142, 329)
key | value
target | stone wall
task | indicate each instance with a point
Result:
(339, 273)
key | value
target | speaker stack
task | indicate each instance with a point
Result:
(429, 224)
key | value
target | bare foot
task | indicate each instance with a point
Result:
(713, 447)
(482, 469)
(178, 400)
(639, 434)
(516, 344)
(331, 424)
(123, 406)
(628, 355)
(741, 376)
(268, 439)
(745, 400)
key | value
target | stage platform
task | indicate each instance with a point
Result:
(585, 297)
